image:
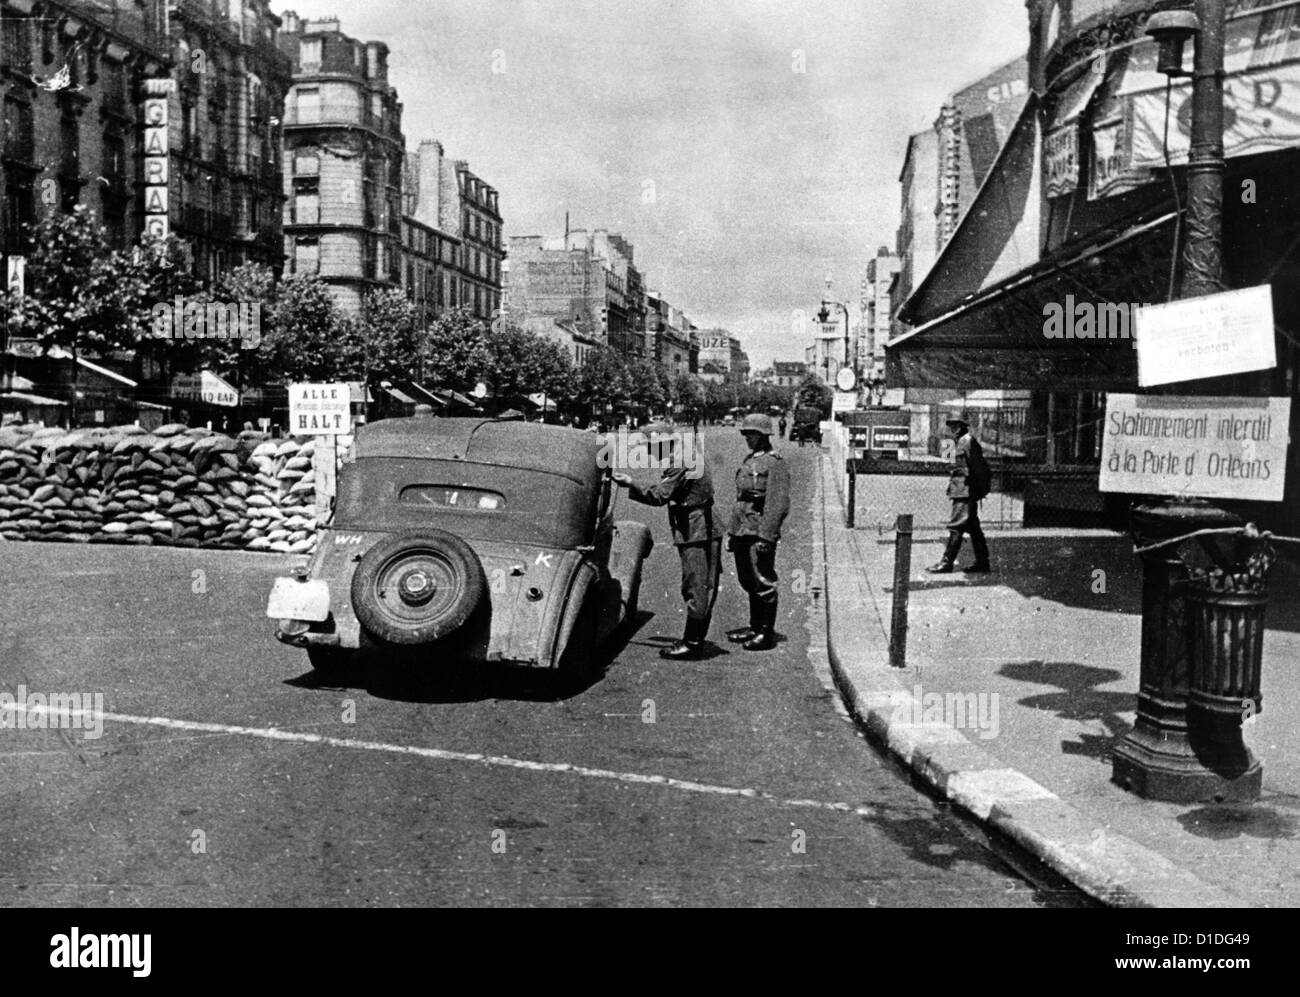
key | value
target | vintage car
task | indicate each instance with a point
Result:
(472, 540)
(807, 426)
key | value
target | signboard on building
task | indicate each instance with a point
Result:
(1203, 447)
(320, 409)
(1228, 333)
(878, 429)
(156, 146)
(205, 387)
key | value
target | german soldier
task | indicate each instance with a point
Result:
(686, 488)
(762, 503)
(968, 481)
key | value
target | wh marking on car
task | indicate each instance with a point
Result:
(467, 540)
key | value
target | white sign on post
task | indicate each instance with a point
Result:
(320, 409)
(844, 401)
(1195, 446)
(1228, 333)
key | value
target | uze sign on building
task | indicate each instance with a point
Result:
(1195, 446)
(320, 409)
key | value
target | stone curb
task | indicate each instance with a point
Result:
(1104, 864)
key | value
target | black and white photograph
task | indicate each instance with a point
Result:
(650, 454)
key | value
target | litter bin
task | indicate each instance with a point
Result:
(1225, 649)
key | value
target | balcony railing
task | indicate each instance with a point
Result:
(340, 114)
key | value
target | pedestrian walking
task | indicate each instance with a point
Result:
(686, 488)
(781, 426)
(762, 503)
(969, 481)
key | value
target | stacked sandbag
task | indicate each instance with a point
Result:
(174, 486)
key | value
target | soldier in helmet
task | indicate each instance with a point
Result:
(686, 488)
(762, 503)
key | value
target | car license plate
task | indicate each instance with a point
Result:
(299, 599)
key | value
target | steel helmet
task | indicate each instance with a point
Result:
(756, 422)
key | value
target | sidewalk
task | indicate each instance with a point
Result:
(1046, 668)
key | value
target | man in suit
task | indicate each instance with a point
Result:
(686, 488)
(762, 503)
(969, 481)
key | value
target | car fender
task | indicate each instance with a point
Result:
(584, 584)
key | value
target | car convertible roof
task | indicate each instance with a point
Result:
(532, 446)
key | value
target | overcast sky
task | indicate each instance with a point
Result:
(748, 148)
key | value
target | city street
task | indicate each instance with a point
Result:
(228, 775)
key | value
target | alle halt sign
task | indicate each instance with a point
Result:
(320, 409)
(1199, 447)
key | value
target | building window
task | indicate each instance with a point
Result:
(70, 145)
(114, 159)
(16, 43)
(18, 130)
(306, 206)
(306, 256)
(306, 163)
(309, 54)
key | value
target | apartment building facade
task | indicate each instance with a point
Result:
(344, 154)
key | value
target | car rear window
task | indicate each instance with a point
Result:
(476, 501)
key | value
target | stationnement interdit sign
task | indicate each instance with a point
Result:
(1200, 447)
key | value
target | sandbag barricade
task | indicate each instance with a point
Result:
(174, 486)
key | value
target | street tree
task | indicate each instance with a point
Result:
(601, 382)
(455, 355)
(814, 392)
(306, 338)
(388, 337)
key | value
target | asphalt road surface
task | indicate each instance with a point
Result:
(227, 774)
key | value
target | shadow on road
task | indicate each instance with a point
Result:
(386, 675)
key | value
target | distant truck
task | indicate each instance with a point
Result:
(807, 425)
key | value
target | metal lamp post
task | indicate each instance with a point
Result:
(1171, 754)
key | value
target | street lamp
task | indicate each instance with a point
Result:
(1172, 753)
(823, 316)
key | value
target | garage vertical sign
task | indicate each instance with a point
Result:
(156, 144)
(322, 410)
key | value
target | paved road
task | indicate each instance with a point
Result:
(749, 786)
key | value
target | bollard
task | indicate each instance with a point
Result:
(853, 492)
(902, 578)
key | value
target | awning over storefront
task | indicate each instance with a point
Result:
(22, 398)
(401, 396)
(999, 338)
(999, 234)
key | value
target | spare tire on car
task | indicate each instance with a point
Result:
(417, 587)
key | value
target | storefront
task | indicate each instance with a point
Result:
(1081, 222)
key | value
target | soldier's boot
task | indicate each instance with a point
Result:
(981, 546)
(944, 566)
(755, 617)
(764, 638)
(691, 646)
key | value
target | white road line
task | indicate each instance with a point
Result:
(441, 754)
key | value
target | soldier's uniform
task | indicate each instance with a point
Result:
(688, 494)
(698, 540)
(762, 503)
